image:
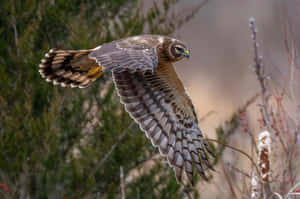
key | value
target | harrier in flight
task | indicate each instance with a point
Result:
(149, 88)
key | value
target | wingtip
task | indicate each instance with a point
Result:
(178, 174)
(55, 82)
(42, 73)
(42, 65)
(73, 85)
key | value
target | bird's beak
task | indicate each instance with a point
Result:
(186, 53)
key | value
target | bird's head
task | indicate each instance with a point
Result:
(177, 50)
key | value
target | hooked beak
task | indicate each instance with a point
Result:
(186, 53)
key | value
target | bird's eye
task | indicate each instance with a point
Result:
(179, 49)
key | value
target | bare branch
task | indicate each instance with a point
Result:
(112, 148)
(122, 183)
(291, 191)
(256, 189)
(230, 166)
(14, 26)
(237, 150)
(260, 73)
(229, 182)
(186, 16)
(208, 114)
(278, 195)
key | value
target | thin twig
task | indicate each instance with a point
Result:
(14, 26)
(237, 170)
(184, 17)
(122, 183)
(208, 114)
(237, 150)
(112, 148)
(256, 192)
(278, 195)
(262, 79)
(260, 73)
(291, 191)
(245, 188)
(229, 182)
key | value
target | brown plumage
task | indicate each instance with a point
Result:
(70, 67)
(148, 87)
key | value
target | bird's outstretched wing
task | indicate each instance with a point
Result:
(121, 56)
(159, 104)
(79, 68)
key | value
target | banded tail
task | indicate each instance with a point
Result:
(72, 68)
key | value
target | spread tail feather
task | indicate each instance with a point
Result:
(71, 68)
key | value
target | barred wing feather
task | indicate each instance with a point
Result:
(158, 103)
(112, 56)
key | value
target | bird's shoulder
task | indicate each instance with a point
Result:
(142, 41)
(138, 42)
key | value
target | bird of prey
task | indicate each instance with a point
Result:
(149, 88)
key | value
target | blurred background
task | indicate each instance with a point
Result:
(71, 143)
